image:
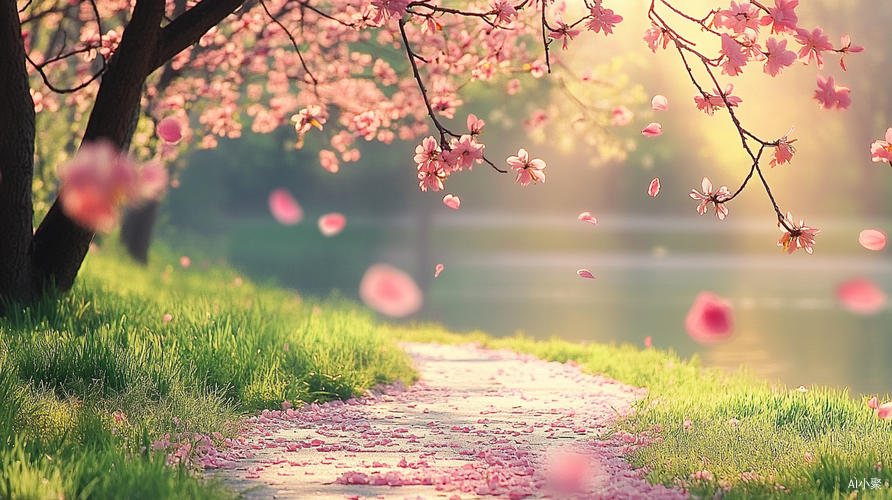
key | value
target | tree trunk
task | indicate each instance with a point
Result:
(136, 230)
(16, 162)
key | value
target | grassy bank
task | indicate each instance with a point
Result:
(90, 380)
(745, 437)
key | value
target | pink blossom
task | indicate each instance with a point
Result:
(717, 198)
(284, 207)
(872, 239)
(710, 319)
(467, 151)
(687, 424)
(829, 94)
(538, 68)
(653, 129)
(882, 150)
(873, 404)
(798, 236)
(332, 224)
(513, 86)
(653, 37)
(778, 57)
(98, 180)
(585, 273)
(784, 150)
(739, 17)
(170, 130)
(504, 11)
(311, 116)
(389, 8)
(622, 116)
(782, 17)
(587, 217)
(563, 32)
(709, 102)
(653, 189)
(438, 270)
(813, 44)
(861, 296)
(847, 47)
(475, 125)
(602, 19)
(452, 201)
(537, 119)
(390, 291)
(431, 176)
(884, 412)
(527, 170)
(426, 151)
(659, 103)
(733, 55)
(703, 475)
(328, 160)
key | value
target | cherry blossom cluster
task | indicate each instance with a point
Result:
(751, 33)
(435, 163)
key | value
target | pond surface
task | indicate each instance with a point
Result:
(789, 325)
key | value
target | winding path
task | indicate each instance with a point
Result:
(479, 423)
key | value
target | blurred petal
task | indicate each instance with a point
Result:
(653, 129)
(170, 130)
(585, 273)
(659, 103)
(872, 239)
(885, 411)
(710, 319)
(861, 296)
(587, 217)
(332, 224)
(284, 207)
(439, 270)
(185, 261)
(654, 188)
(390, 291)
(451, 201)
(873, 404)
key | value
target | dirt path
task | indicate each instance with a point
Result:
(478, 423)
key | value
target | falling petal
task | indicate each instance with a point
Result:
(170, 130)
(861, 296)
(653, 129)
(167, 318)
(439, 270)
(587, 217)
(648, 342)
(654, 188)
(659, 103)
(568, 471)
(872, 239)
(390, 291)
(873, 404)
(451, 201)
(332, 224)
(585, 273)
(884, 412)
(284, 207)
(710, 319)
(185, 261)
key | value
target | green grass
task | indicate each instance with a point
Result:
(785, 443)
(89, 379)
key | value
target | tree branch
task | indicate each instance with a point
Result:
(188, 28)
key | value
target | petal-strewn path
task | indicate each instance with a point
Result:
(479, 423)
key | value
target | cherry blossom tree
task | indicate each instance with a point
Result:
(126, 85)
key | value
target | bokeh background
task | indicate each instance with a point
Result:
(510, 253)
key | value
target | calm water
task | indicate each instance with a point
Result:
(789, 326)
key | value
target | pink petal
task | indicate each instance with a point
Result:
(872, 239)
(332, 224)
(653, 129)
(390, 291)
(451, 201)
(587, 217)
(873, 404)
(170, 130)
(439, 270)
(167, 318)
(885, 411)
(648, 342)
(284, 207)
(185, 261)
(659, 103)
(585, 273)
(861, 296)
(710, 319)
(654, 188)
